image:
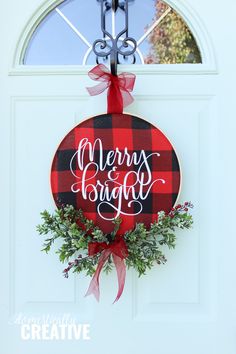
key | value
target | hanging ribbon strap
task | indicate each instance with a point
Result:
(119, 87)
(119, 252)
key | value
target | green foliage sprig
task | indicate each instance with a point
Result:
(145, 245)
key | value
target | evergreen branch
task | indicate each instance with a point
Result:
(145, 245)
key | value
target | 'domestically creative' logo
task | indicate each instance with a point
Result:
(49, 328)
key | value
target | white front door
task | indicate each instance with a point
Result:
(186, 306)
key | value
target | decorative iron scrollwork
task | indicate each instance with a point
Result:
(114, 46)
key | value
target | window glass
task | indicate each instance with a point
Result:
(65, 36)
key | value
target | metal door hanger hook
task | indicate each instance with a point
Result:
(115, 4)
(112, 45)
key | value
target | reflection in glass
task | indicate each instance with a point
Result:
(171, 42)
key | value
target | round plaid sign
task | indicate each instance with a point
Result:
(116, 165)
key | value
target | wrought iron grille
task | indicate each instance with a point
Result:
(111, 44)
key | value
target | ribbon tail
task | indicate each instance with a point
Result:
(126, 84)
(99, 88)
(121, 274)
(127, 97)
(94, 284)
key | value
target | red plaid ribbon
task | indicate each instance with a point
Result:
(119, 87)
(119, 252)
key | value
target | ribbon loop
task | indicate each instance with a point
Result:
(119, 87)
(119, 252)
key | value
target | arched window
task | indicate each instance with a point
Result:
(66, 34)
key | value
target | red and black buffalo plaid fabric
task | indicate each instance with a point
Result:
(116, 132)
